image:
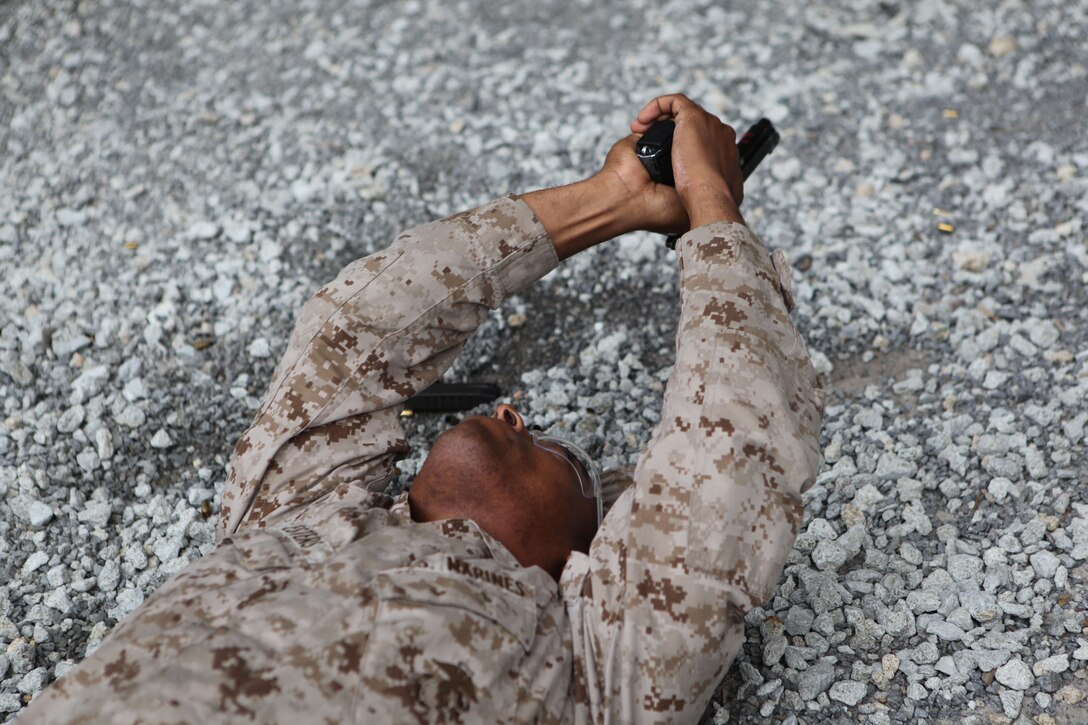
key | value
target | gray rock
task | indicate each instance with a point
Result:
(815, 679)
(1055, 664)
(798, 620)
(32, 681)
(945, 630)
(1015, 674)
(71, 419)
(989, 660)
(773, 649)
(1045, 564)
(925, 653)
(828, 556)
(10, 702)
(848, 692)
(109, 576)
(923, 601)
(1011, 701)
(963, 567)
(34, 562)
(58, 599)
(890, 467)
(95, 513)
(982, 606)
(20, 654)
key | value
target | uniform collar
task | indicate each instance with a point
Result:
(466, 530)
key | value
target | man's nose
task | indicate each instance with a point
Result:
(507, 414)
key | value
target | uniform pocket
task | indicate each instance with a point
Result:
(448, 642)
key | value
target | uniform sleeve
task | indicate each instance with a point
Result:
(387, 327)
(702, 534)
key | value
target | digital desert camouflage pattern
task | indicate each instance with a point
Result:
(325, 602)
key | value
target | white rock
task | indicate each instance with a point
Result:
(1043, 333)
(259, 348)
(34, 562)
(103, 441)
(39, 514)
(1000, 488)
(237, 231)
(1056, 664)
(1045, 564)
(848, 692)
(109, 576)
(58, 599)
(203, 230)
(1015, 674)
(95, 513)
(161, 439)
(70, 217)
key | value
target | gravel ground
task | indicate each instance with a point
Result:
(177, 176)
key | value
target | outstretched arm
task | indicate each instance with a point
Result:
(702, 535)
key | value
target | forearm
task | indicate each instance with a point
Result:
(579, 215)
(743, 400)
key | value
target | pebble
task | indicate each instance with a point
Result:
(945, 630)
(161, 439)
(109, 576)
(95, 513)
(798, 620)
(1045, 564)
(32, 681)
(20, 654)
(203, 230)
(816, 679)
(1055, 664)
(1011, 701)
(828, 556)
(71, 419)
(38, 514)
(1001, 45)
(1014, 674)
(259, 348)
(34, 562)
(848, 692)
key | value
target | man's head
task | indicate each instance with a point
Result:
(526, 494)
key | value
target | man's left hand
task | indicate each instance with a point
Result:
(655, 207)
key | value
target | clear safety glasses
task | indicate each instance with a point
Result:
(591, 488)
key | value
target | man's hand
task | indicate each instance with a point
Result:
(653, 207)
(705, 162)
(621, 198)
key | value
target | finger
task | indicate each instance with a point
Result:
(661, 107)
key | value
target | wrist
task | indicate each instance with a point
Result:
(708, 202)
(580, 215)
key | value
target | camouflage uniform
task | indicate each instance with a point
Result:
(325, 602)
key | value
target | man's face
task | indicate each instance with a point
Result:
(535, 485)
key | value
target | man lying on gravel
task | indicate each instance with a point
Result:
(490, 592)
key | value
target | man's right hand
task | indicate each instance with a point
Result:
(705, 162)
